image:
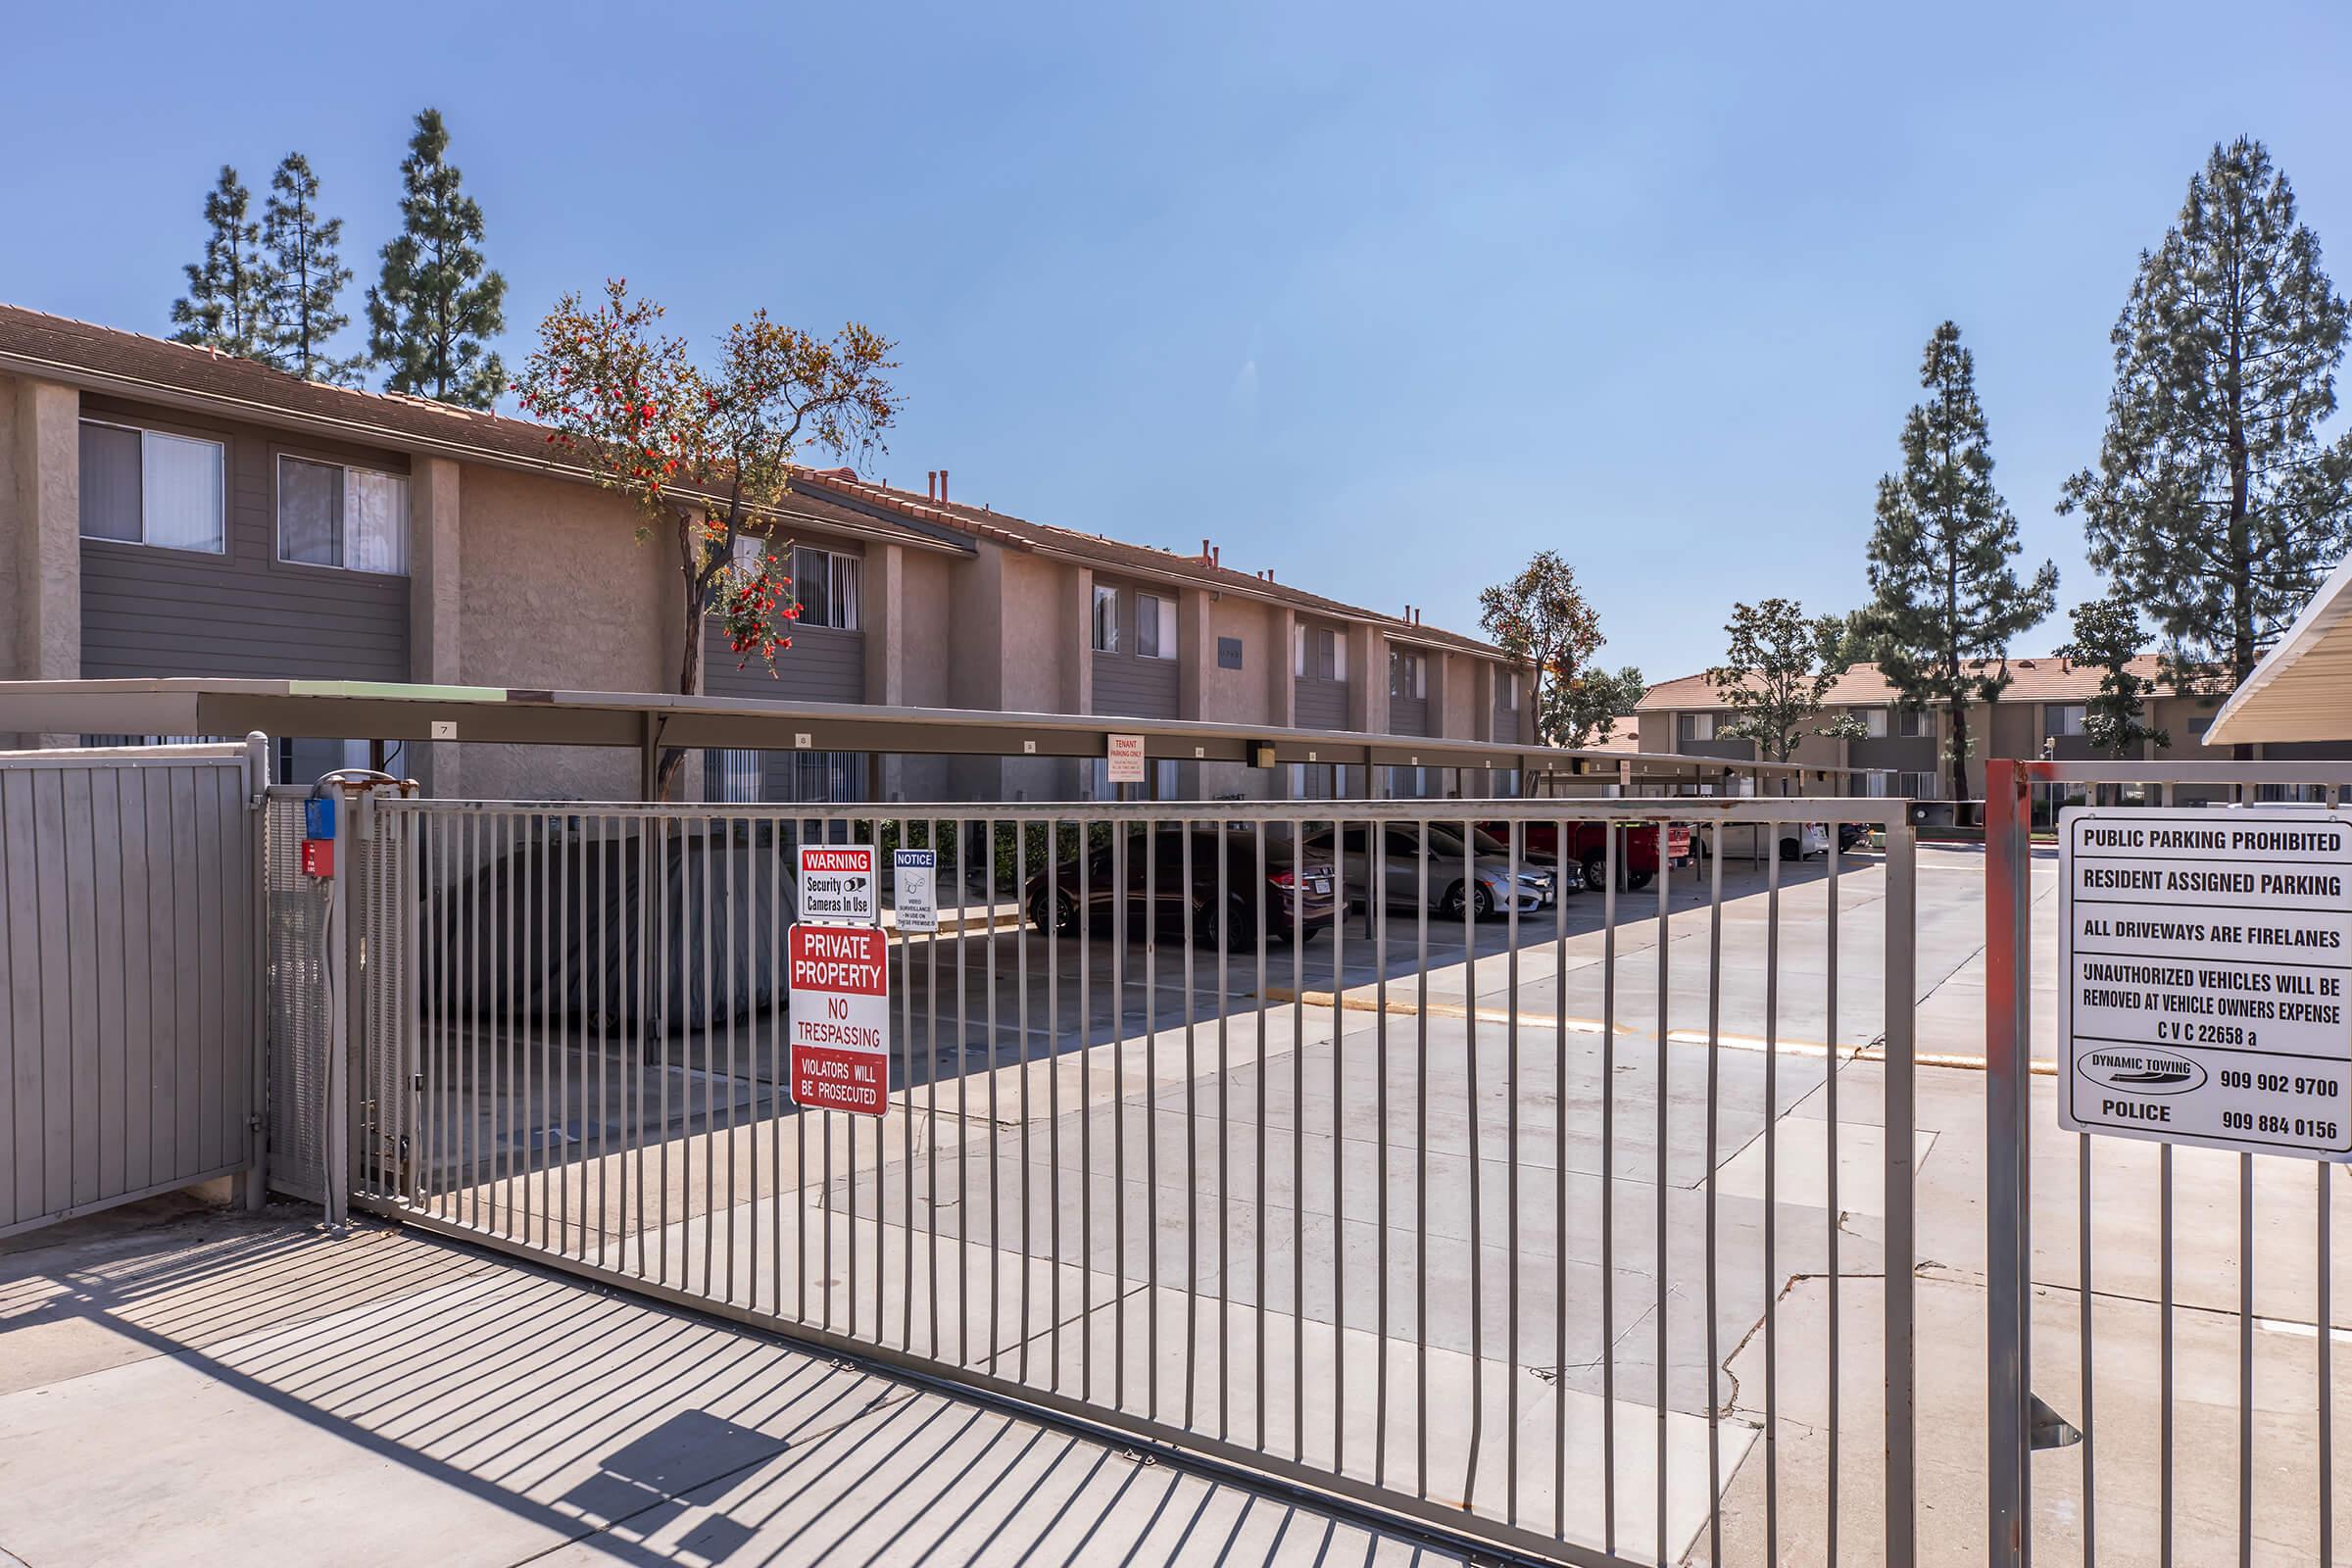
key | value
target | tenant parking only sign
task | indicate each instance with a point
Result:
(2202, 972)
(840, 1011)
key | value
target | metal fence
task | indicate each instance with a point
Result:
(2174, 1308)
(1322, 1141)
(129, 1033)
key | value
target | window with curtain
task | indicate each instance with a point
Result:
(1155, 626)
(332, 514)
(147, 487)
(824, 584)
(1407, 676)
(1874, 722)
(1106, 619)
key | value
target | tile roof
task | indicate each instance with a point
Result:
(2043, 678)
(134, 365)
(1117, 555)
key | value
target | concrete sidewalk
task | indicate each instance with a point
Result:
(193, 1388)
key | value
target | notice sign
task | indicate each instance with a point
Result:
(1126, 759)
(914, 889)
(836, 883)
(2202, 971)
(840, 985)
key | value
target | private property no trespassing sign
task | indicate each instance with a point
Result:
(839, 980)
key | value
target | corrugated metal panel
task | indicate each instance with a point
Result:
(128, 1042)
(243, 613)
(1321, 704)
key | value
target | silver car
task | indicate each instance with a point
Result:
(1487, 890)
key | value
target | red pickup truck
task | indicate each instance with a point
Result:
(1587, 848)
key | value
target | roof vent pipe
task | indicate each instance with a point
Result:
(943, 488)
(930, 485)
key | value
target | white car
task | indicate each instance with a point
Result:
(1754, 841)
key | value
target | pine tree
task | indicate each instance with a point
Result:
(1946, 600)
(2215, 506)
(437, 301)
(306, 275)
(224, 307)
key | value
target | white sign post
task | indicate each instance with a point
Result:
(836, 883)
(2202, 968)
(915, 884)
(1126, 757)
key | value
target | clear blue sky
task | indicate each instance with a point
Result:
(1385, 298)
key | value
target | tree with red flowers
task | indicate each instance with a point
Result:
(707, 455)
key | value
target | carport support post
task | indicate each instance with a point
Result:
(2008, 1044)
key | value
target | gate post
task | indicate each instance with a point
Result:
(1900, 1171)
(2008, 1052)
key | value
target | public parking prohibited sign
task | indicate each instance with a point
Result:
(836, 883)
(2202, 968)
(840, 1010)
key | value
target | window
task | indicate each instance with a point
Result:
(1698, 727)
(1874, 722)
(329, 515)
(1408, 674)
(1318, 652)
(731, 776)
(824, 584)
(1913, 722)
(144, 487)
(1510, 690)
(1106, 619)
(1155, 626)
(1229, 653)
(2062, 719)
(1916, 786)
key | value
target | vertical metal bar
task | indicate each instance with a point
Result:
(2089, 1425)
(1191, 1136)
(2008, 1050)
(1049, 901)
(1772, 1193)
(1831, 1211)
(550, 900)
(1299, 1137)
(1121, 873)
(931, 1086)
(1151, 1116)
(511, 1182)
(996, 1160)
(1020, 966)
(1510, 1095)
(1478, 1293)
(1376, 901)
(1258, 904)
(1225, 937)
(1902, 1251)
(1608, 1179)
(710, 1032)
(1339, 1145)
(664, 1018)
(2164, 1354)
(2326, 1321)
(963, 1097)
(1665, 946)
(1421, 1162)
(1714, 1113)
(907, 1106)
(2245, 1359)
(1086, 1115)
(1561, 861)
(738, 936)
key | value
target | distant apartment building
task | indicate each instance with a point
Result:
(2039, 714)
(165, 511)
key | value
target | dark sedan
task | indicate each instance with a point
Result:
(1152, 868)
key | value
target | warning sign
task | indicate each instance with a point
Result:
(840, 1010)
(2202, 965)
(836, 883)
(1126, 759)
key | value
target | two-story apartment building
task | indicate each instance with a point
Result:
(165, 511)
(2039, 714)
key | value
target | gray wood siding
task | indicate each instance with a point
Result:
(1904, 753)
(1321, 704)
(1142, 688)
(822, 665)
(1506, 724)
(243, 613)
(126, 966)
(1408, 716)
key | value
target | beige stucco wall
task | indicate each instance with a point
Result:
(41, 534)
(1042, 637)
(12, 525)
(555, 592)
(1242, 696)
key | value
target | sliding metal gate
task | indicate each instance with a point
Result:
(2175, 1307)
(1456, 1210)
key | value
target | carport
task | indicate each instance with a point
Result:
(2302, 690)
(650, 723)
